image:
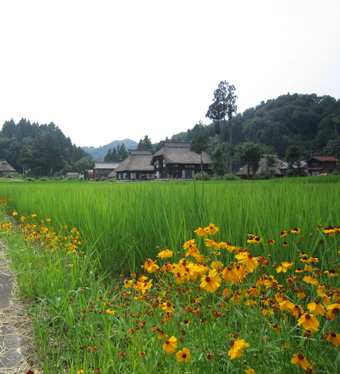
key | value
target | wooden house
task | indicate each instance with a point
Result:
(5, 168)
(175, 160)
(137, 167)
(263, 166)
(103, 169)
(321, 165)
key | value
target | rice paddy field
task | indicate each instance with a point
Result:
(179, 277)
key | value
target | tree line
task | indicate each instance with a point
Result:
(40, 150)
(294, 127)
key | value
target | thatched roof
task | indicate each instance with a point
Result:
(6, 167)
(137, 161)
(179, 153)
(262, 167)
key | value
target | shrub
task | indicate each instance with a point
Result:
(231, 177)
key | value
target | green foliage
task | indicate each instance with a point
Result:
(218, 162)
(42, 150)
(282, 122)
(117, 154)
(231, 177)
(145, 143)
(293, 155)
(251, 154)
(198, 176)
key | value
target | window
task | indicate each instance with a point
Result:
(133, 175)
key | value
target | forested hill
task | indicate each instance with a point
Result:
(310, 122)
(98, 153)
(42, 149)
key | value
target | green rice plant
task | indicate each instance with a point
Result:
(234, 307)
(125, 223)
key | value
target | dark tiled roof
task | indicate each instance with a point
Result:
(323, 159)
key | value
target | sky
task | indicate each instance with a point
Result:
(109, 70)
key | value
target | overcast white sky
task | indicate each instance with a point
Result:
(108, 70)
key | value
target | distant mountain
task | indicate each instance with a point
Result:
(99, 153)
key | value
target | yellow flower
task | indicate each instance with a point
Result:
(250, 371)
(286, 305)
(299, 359)
(201, 231)
(183, 355)
(311, 280)
(15, 213)
(254, 239)
(165, 253)
(170, 345)
(331, 273)
(167, 307)
(150, 266)
(332, 337)
(128, 283)
(284, 266)
(249, 260)
(316, 308)
(211, 282)
(237, 348)
(309, 322)
(266, 312)
(211, 229)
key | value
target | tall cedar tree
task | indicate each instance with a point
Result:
(200, 142)
(224, 105)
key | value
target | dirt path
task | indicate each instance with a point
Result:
(16, 339)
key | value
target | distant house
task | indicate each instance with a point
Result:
(103, 169)
(136, 167)
(300, 166)
(74, 174)
(321, 165)
(176, 160)
(263, 166)
(5, 168)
